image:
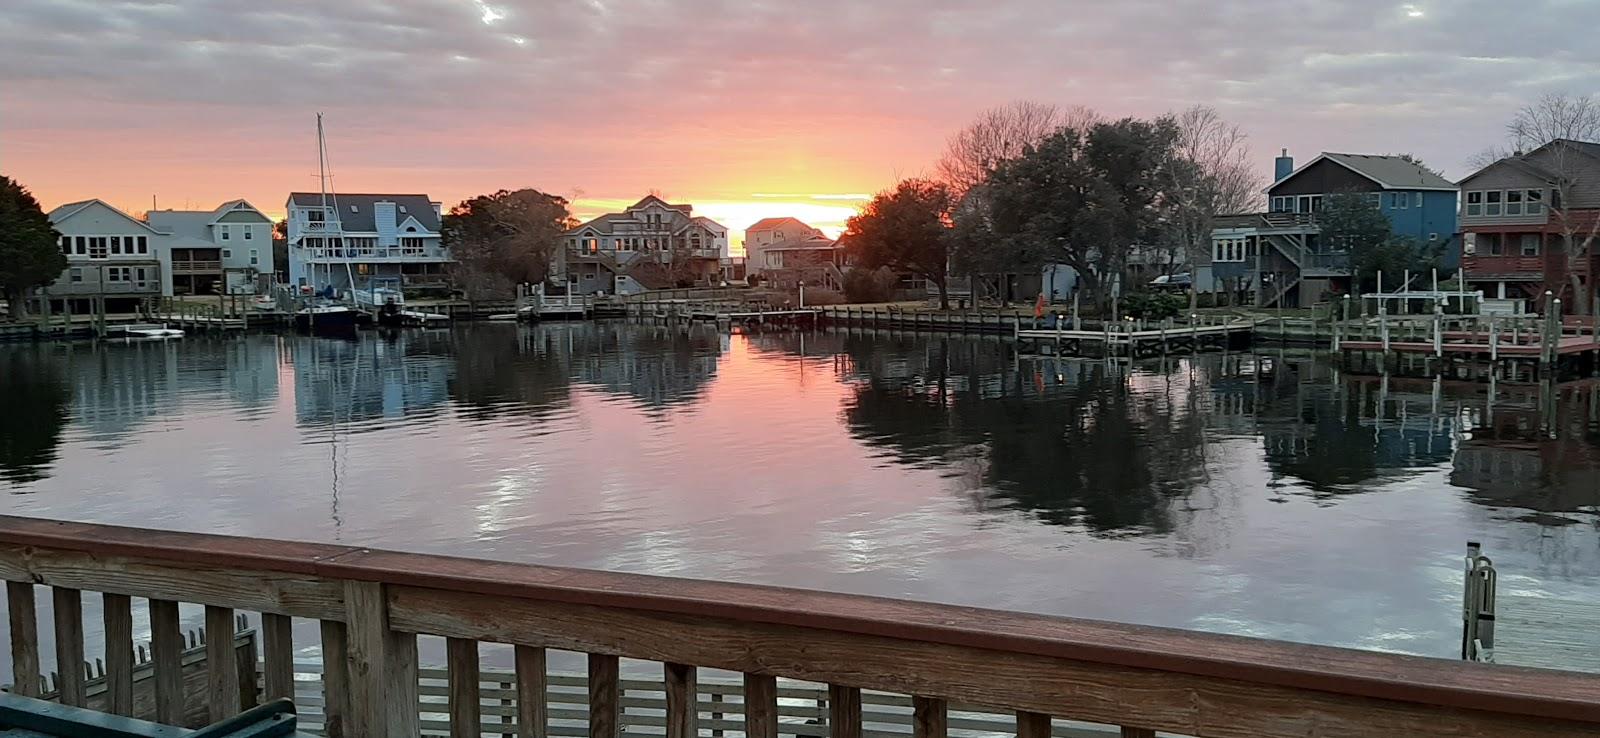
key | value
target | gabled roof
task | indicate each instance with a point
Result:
(362, 218)
(653, 200)
(1525, 162)
(1386, 171)
(65, 212)
(768, 224)
(806, 243)
(707, 222)
(233, 205)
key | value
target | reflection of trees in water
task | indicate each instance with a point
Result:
(33, 410)
(1077, 443)
(500, 370)
(657, 365)
(1536, 448)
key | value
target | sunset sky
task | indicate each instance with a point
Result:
(745, 108)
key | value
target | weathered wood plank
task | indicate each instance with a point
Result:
(277, 655)
(1128, 732)
(1033, 725)
(244, 668)
(533, 686)
(930, 718)
(401, 684)
(760, 706)
(682, 690)
(222, 693)
(335, 679)
(844, 711)
(166, 653)
(366, 650)
(1187, 704)
(462, 662)
(118, 613)
(24, 617)
(67, 606)
(604, 694)
(261, 591)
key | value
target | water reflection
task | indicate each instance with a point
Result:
(33, 408)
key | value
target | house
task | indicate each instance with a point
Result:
(653, 244)
(1517, 215)
(768, 231)
(1279, 252)
(113, 260)
(227, 249)
(364, 241)
(811, 258)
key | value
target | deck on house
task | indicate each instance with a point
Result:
(1043, 674)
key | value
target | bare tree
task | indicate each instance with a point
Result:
(996, 135)
(1578, 227)
(1212, 176)
(1554, 116)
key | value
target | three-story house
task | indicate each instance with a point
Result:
(113, 260)
(652, 245)
(364, 243)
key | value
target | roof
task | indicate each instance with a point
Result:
(767, 224)
(603, 224)
(1390, 172)
(653, 200)
(1525, 164)
(362, 220)
(809, 243)
(183, 223)
(705, 222)
(62, 212)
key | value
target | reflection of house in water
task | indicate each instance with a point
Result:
(1527, 450)
(117, 388)
(657, 365)
(340, 381)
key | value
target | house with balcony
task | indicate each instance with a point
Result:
(1280, 255)
(1516, 216)
(364, 242)
(224, 250)
(113, 260)
(767, 232)
(653, 244)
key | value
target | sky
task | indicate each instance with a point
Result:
(744, 108)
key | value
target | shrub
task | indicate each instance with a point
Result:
(861, 285)
(1154, 305)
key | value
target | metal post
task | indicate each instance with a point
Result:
(1438, 325)
(1494, 340)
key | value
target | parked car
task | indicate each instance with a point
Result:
(1179, 282)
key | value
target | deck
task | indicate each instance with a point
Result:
(1525, 629)
(1038, 675)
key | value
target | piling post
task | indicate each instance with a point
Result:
(1438, 327)
(1077, 326)
(1494, 341)
(1194, 333)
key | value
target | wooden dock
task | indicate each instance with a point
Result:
(1475, 347)
(1136, 339)
(1525, 630)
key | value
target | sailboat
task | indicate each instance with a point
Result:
(326, 313)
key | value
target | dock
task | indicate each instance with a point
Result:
(1519, 629)
(1477, 347)
(1135, 339)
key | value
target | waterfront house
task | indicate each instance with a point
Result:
(767, 232)
(651, 245)
(113, 260)
(1518, 215)
(1279, 252)
(205, 252)
(364, 241)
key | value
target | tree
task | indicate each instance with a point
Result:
(506, 238)
(906, 228)
(30, 250)
(1211, 175)
(996, 135)
(1554, 116)
(1350, 222)
(1081, 200)
(1577, 227)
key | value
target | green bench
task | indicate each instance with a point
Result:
(25, 717)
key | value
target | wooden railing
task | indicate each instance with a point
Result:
(373, 604)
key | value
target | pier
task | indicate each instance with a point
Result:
(1522, 629)
(1039, 676)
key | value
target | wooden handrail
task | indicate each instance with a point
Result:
(1152, 678)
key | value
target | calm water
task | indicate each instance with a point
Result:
(1253, 494)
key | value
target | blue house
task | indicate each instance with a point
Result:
(1279, 254)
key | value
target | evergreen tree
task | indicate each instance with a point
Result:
(30, 252)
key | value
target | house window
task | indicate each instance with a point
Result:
(1489, 243)
(116, 245)
(591, 245)
(1474, 203)
(75, 275)
(97, 247)
(225, 231)
(81, 246)
(1533, 202)
(248, 233)
(1530, 244)
(1375, 199)
(315, 216)
(1491, 206)
(66, 245)
(1282, 204)
(144, 245)
(254, 256)
(140, 275)
(118, 274)
(1513, 202)
(227, 253)
(1404, 200)
(1418, 198)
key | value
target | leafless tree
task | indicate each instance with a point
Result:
(1213, 177)
(998, 134)
(1553, 116)
(1578, 227)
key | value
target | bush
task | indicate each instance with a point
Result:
(1154, 305)
(861, 285)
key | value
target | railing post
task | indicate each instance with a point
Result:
(463, 676)
(166, 652)
(119, 653)
(335, 679)
(532, 690)
(604, 704)
(844, 711)
(381, 667)
(277, 653)
(683, 697)
(760, 706)
(929, 718)
(24, 638)
(67, 605)
(222, 675)
(1033, 725)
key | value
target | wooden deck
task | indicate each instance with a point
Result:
(1523, 629)
(372, 605)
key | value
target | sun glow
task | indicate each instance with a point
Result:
(827, 212)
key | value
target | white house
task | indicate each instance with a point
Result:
(111, 257)
(226, 249)
(651, 245)
(364, 242)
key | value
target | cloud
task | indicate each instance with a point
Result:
(723, 98)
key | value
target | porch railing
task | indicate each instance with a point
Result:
(373, 604)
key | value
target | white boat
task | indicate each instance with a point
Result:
(152, 332)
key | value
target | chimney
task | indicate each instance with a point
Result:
(1282, 166)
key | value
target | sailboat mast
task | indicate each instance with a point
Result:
(322, 185)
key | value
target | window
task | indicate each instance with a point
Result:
(143, 244)
(81, 246)
(249, 233)
(315, 216)
(1534, 202)
(66, 245)
(591, 245)
(1489, 243)
(1491, 205)
(1403, 199)
(116, 245)
(1375, 199)
(119, 274)
(402, 208)
(1513, 202)
(226, 232)
(97, 247)
(75, 275)
(141, 275)
(353, 209)
(227, 253)
(1474, 203)
(255, 257)
(1418, 198)
(1530, 244)
(1283, 204)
